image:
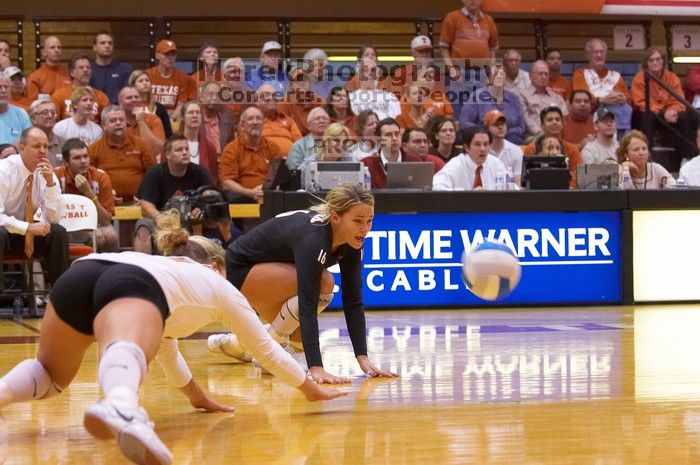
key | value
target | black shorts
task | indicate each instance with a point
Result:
(236, 272)
(89, 285)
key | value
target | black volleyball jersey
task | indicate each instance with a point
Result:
(304, 239)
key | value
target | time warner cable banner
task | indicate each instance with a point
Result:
(415, 259)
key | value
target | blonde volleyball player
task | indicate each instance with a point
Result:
(136, 306)
(281, 266)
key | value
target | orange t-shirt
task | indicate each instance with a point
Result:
(349, 122)
(437, 103)
(300, 111)
(659, 99)
(561, 86)
(171, 90)
(47, 80)
(467, 39)
(61, 98)
(125, 164)
(22, 102)
(282, 130)
(99, 181)
(154, 124)
(575, 131)
(383, 83)
(571, 152)
(247, 165)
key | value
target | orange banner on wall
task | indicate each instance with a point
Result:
(541, 6)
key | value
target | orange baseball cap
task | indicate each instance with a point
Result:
(493, 116)
(166, 46)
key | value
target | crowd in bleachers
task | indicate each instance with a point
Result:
(472, 115)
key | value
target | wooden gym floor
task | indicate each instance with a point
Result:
(598, 386)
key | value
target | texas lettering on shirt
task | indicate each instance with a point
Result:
(165, 95)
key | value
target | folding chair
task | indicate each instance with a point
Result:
(79, 215)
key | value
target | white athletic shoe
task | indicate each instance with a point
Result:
(218, 343)
(132, 429)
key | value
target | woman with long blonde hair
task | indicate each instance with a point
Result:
(294, 251)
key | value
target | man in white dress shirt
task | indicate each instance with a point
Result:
(474, 170)
(50, 240)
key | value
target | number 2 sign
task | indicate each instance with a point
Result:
(629, 37)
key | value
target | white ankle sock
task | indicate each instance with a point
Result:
(122, 367)
(27, 381)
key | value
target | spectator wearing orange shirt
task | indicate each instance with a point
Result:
(422, 52)
(338, 108)
(125, 158)
(244, 161)
(363, 73)
(557, 82)
(17, 88)
(50, 76)
(662, 105)
(467, 33)
(169, 86)
(605, 85)
(278, 127)
(551, 121)
(80, 71)
(300, 99)
(140, 123)
(578, 125)
(208, 68)
(77, 177)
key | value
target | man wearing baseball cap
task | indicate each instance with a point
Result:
(422, 52)
(510, 154)
(270, 70)
(13, 119)
(169, 86)
(603, 148)
(17, 88)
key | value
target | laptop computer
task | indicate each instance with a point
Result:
(410, 175)
(598, 176)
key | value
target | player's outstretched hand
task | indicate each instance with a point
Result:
(372, 370)
(321, 376)
(314, 391)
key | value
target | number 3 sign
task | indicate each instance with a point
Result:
(685, 38)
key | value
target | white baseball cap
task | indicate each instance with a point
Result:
(420, 42)
(271, 45)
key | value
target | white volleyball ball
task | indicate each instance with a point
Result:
(490, 270)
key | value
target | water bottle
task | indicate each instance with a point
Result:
(367, 177)
(626, 179)
(510, 179)
(500, 180)
(17, 308)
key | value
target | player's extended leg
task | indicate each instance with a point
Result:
(128, 331)
(61, 350)
(271, 289)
